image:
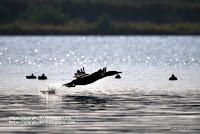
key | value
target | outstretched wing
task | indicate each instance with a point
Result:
(100, 72)
(80, 73)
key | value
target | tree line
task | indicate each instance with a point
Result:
(100, 16)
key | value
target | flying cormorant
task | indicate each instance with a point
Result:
(83, 79)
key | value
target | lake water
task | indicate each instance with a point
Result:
(142, 101)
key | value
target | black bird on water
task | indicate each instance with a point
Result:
(83, 79)
(173, 77)
(32, 76)
(43, 77)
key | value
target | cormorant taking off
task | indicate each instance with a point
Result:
(83, 79)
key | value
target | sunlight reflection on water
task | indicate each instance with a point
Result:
(142, 101)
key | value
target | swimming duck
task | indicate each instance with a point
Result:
(31, 76)
(173, 77)
(117, 76)
(83, 79)
(43, 77)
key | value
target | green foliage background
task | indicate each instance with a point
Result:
(99, 17)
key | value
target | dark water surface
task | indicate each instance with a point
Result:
(142, 101)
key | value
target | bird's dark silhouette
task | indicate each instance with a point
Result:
(117, 76)
(43, 77)
(83, 79)
(173, 77)
(31, 76)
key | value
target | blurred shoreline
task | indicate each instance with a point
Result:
(97, 17)
(128, 28)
